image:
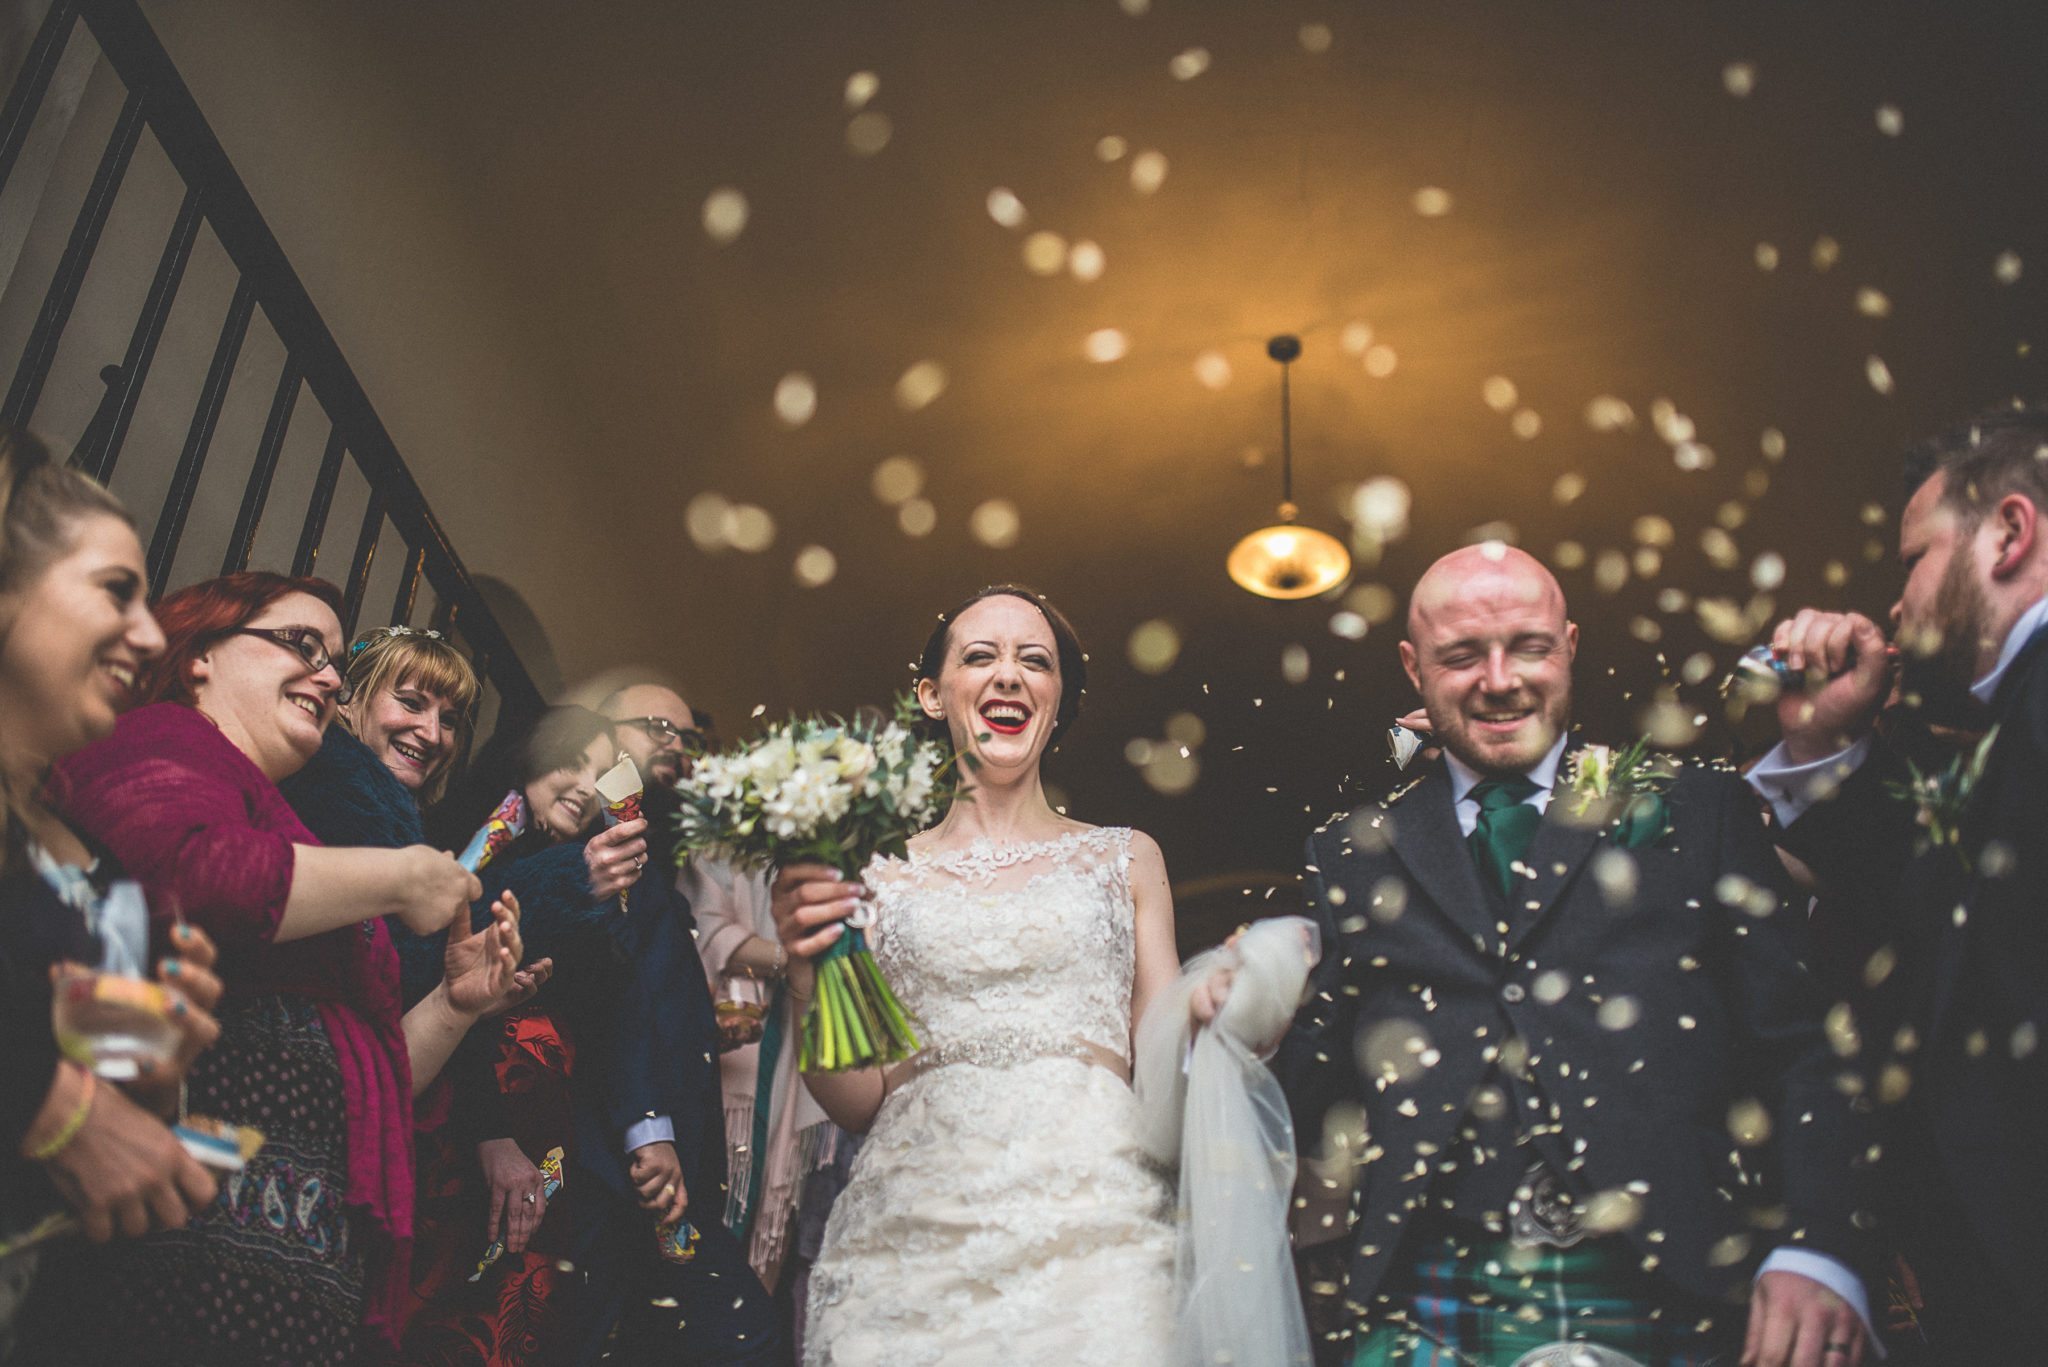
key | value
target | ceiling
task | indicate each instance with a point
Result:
(1603, 186)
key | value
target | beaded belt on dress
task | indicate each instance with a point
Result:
(1008, 1048)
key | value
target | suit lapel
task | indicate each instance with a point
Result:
(1561, 846)
(1427, 839)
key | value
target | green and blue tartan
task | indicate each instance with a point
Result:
(1473, 1300)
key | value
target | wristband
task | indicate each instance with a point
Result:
(68, 1131)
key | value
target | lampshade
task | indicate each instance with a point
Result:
(1288, 561)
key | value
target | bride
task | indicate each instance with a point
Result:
(1001, 1208)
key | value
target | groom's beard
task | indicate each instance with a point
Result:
(1940, 678)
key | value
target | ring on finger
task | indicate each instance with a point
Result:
(861, 917)
(528, 1198)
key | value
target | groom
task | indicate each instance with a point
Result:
(1597, 1100)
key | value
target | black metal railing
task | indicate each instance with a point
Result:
(157, 101)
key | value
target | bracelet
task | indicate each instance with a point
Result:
(68, 1131)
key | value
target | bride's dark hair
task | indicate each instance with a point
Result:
(1066, 642)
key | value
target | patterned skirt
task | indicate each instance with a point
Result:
(1468, 1300)
(269, 1272)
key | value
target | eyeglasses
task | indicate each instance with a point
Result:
(307, 644)
(665, 732)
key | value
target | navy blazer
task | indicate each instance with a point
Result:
(1636, 1096)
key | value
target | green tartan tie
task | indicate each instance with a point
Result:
(1507, 823)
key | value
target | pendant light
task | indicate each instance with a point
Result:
(1287, 560)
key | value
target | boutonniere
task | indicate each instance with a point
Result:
(1623, 789)
(1942, 797)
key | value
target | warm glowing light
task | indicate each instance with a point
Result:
(1826, 252)
(897, 480)
(1890, 121)
(1355, 338)
(1189, 64)
(917, 517)
(1432, 201)
(1045, 253)
(1766, 257)
(1112, 148)
(2006, 269)
(1526, 423)
(748, 528)
(1212, 369)
(1498, 393)
(1873, 303)
(1286, 561)
(1380, 361)
(1086, 260)
(1153, 646)
(995, 524)
(1739, 78)
(860, 88)
(815, 567)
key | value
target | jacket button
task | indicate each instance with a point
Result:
(1513, 993)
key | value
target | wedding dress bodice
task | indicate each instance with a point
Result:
(1001, 1209)
(1002, 952)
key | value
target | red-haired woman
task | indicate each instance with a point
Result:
(303, 1256)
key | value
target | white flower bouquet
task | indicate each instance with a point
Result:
(835, 792)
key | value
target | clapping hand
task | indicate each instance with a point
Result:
(482, 971)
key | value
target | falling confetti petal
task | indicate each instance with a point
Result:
(1498, 393)
(705, 519)
(1148, 172)
(1315, 38)
(1890, 121)
(815, 567)
(1153, 646)
(917, 517)
(1567, 488)
(1355, 338)
(920, 384)
(1772, 443)
(1294, 664)
(748, 528)
(1878, 373)
(1767, 572)
(1005, 208)
(1652, 530)
(1134, 8)
(868, 133)
(995, 523)
(1105, 345)
(897, 479)
(1432, 201)
(1380, 360)
(1349, 625)
(2006, 270)
(1086, 260)
(860, 88)
(1212, 368)
(1185, 728)
(1380, 508)
(1526, 424)
(1872, 303)
(1112, 148)
(1766, 257)
(1739, 78)
(1045, 253)
(1569, 555)
(1606, 413)
(725, 214)
(1826, 252)
(1189, 64)
(796, 399)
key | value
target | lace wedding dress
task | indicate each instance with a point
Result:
(1001, 1209)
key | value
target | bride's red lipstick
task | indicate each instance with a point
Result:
(1006, 726)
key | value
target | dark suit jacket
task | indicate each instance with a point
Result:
(1724, 1012)
(1970, 936)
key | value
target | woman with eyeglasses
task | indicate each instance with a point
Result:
(303, 1258)
(483, 1182)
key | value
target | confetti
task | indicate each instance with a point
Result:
(1432, 201)
(1567, 488)
(1086, 260)
(1739, 79)
(897, 479)
(1826, 252)
(796, 399)
(1767, 571)
(1105, 345)
(1653, 530)
(705, 520)
(1890, 121)
(815, 567)
(1045, 253)
(725, 215)
(1569, 555)
(1526, 424)
(1153, 646)
(1873, 303)
(1878, 373)
(1005, 208)
(995, 524)
(1749, 1122)
(1212, 370)
(1185, 728)
(748, 528)
(1187, 65)
(1111, 148)
(920, 384)
(1498, 393)
(868, 133)
(1606, 413)
(917, 517)
(1148, 172)
(861, 87)
(1315, 39)
(2006, 269)
(1374, 602)
(1355, 338)
(1380, 361)
(1766, 257)
(1294, 664)
(1772, 443)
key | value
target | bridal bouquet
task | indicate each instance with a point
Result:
(826, 791)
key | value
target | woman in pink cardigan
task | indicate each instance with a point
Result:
(301, 1258)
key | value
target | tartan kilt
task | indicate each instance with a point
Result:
(1469, 1299)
